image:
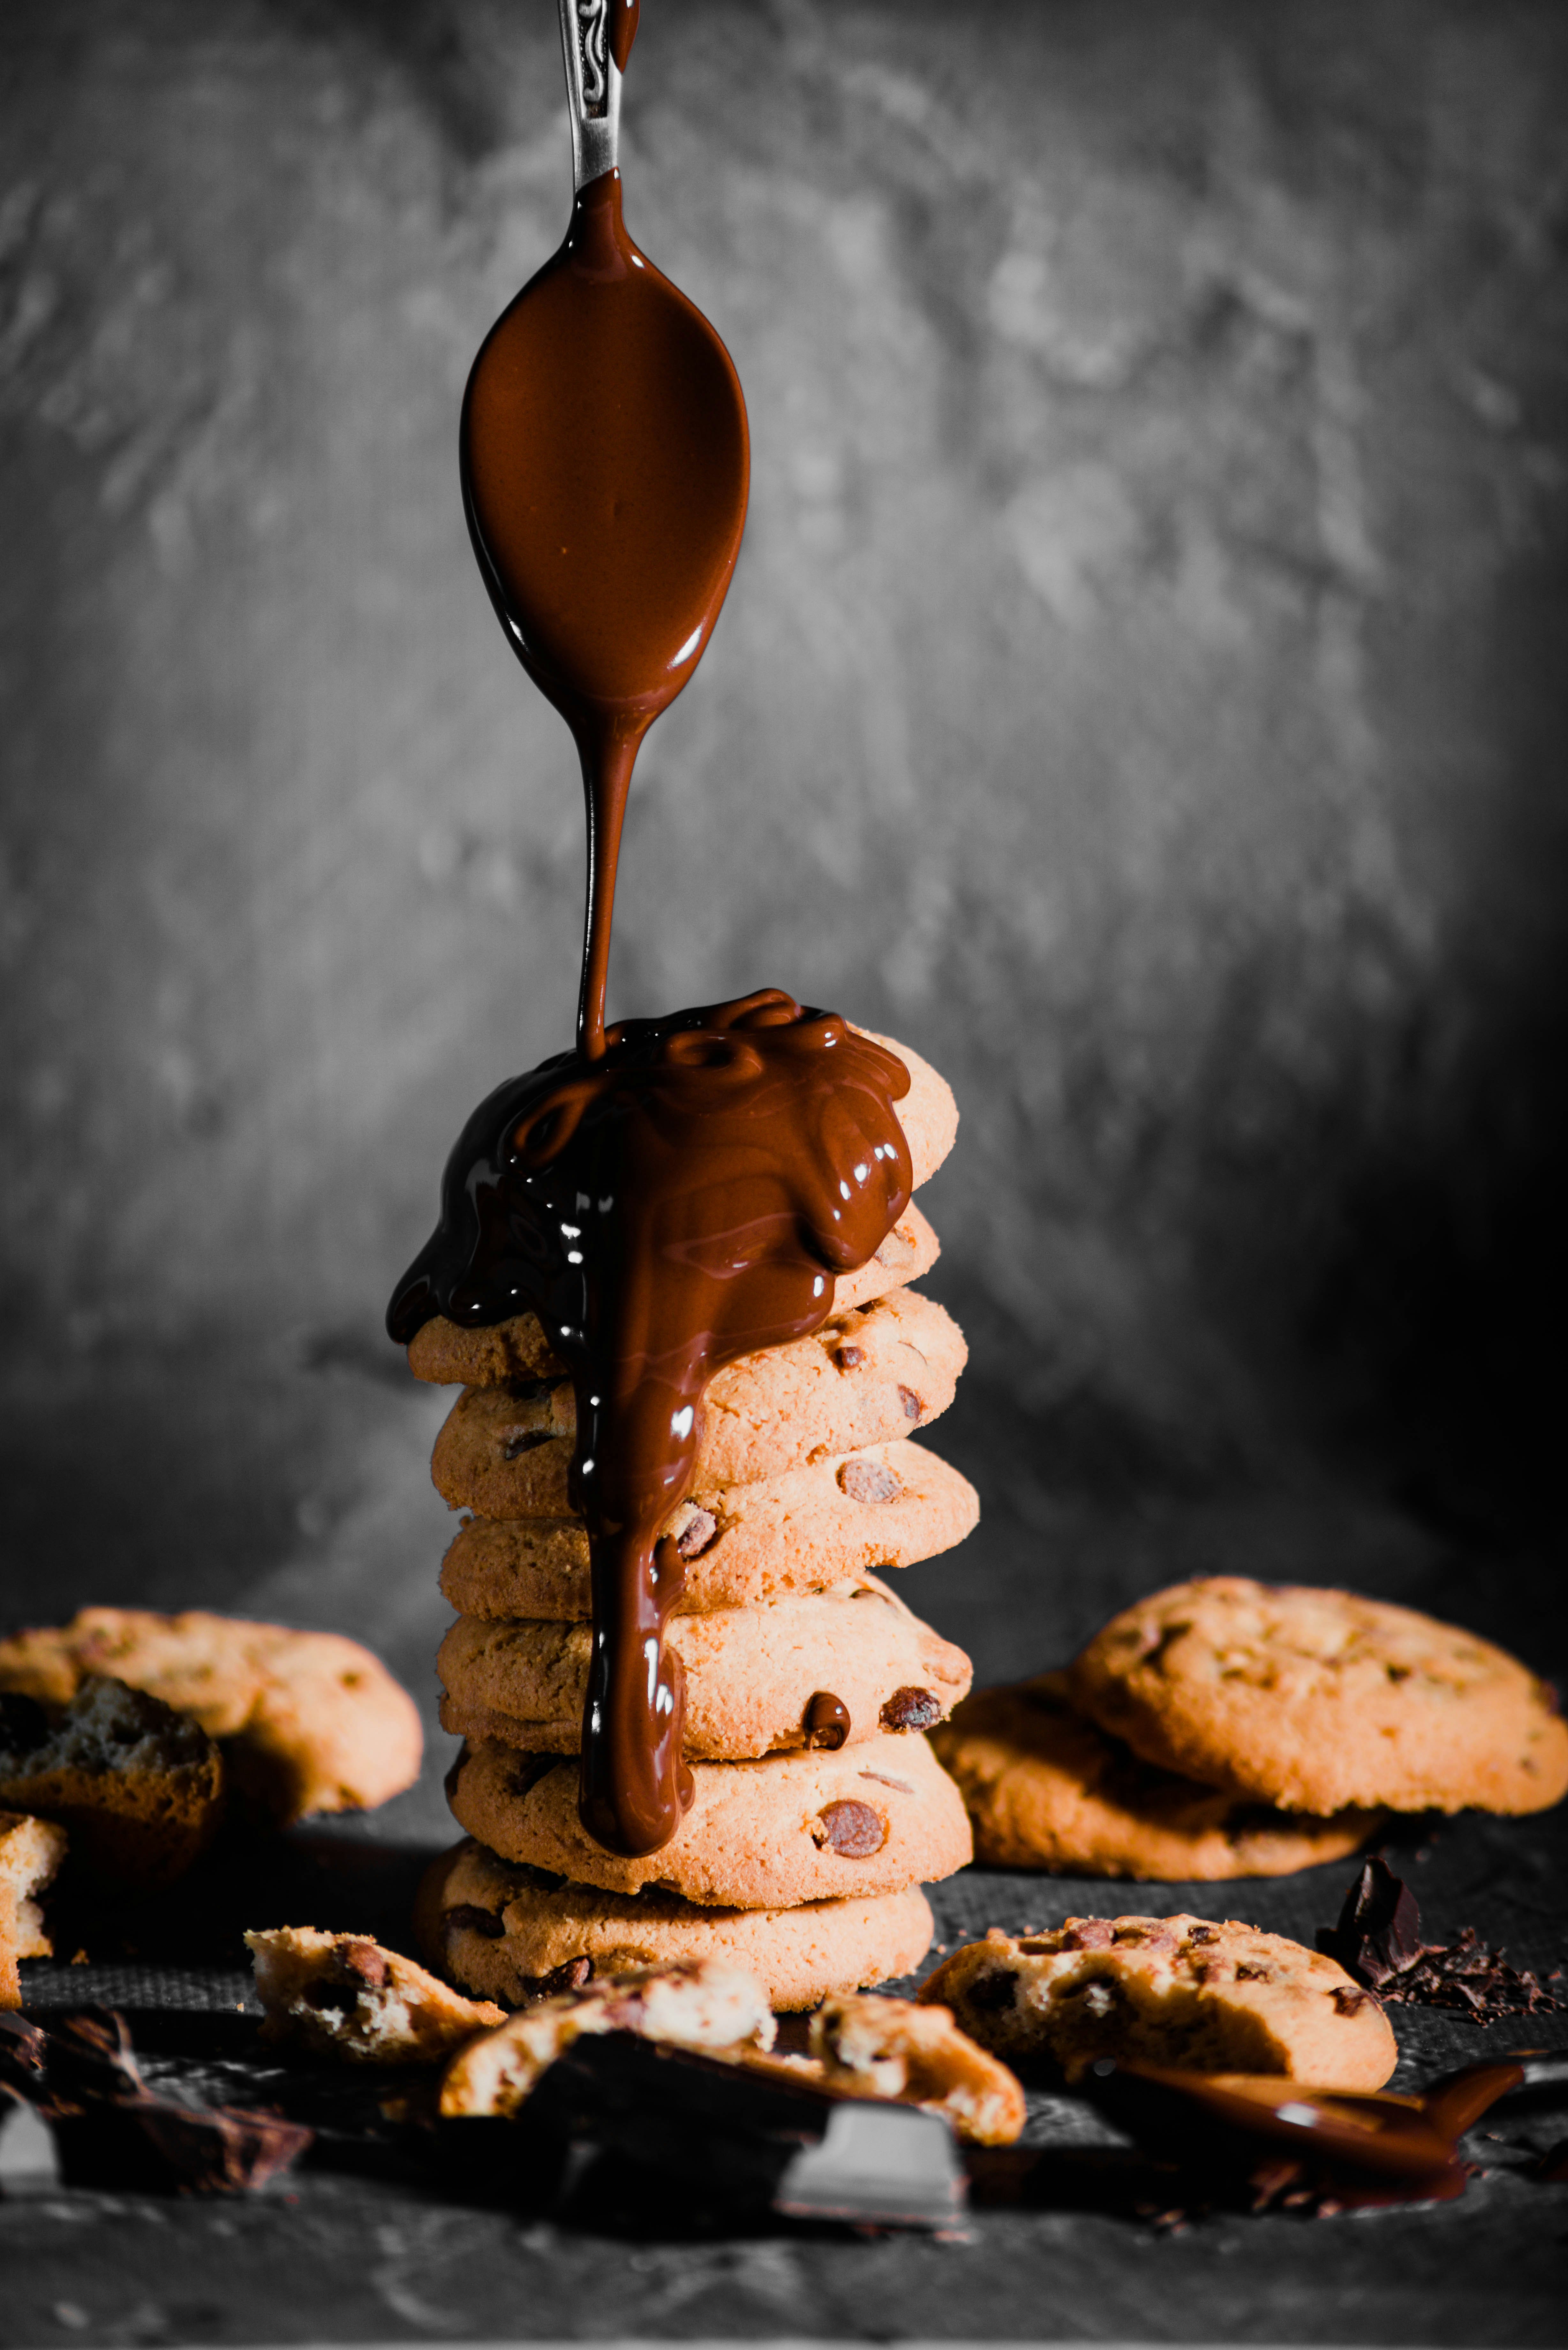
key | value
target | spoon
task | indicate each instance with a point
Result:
(1378, 2135)
(605, 467)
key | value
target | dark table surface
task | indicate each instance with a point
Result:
(329, 2256)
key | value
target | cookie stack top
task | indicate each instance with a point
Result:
(807, 1682)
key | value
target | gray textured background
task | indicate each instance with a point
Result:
(1142, 690)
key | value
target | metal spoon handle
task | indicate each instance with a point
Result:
(593, 89)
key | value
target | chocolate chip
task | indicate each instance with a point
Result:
(913, 1407)
(518, 1440)
(992, 1991)
(366, 1960)
(467, 1914)
(826, 1721)
(854, 1830)
(912, 1709)
(572, 1974)
(849, 1358)
(1204, 1934)
(1087, 1934)
(1254, 1974)
(869, 1480)
(696, 1534)
(1347, 2002)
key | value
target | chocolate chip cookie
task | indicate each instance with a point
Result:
(1047, 1788)
(1314, 1699)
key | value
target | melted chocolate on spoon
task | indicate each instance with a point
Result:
(605, 472)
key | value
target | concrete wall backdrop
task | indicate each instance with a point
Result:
(1142, 690)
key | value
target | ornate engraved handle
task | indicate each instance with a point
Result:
(593, 88)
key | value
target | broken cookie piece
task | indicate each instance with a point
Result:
(345, 1995)
(696, 2004)
(1185, 1992)
(31, 1850)
(137, 1787)
(870, 2046)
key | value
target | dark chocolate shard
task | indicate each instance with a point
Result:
(111, 2131)
(735, 2141)
(1378, 1930)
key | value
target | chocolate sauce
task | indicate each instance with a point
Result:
(686, 1199)
(828, 1723)
(675, 1193)
(605, 470)
(623, 23)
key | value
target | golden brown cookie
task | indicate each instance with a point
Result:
(345, 1995)
(860, 1379)
(515, 1933)
(1047, 1788)
(751, 1674)
(806, 1531)
(793, 1828)
(688, 2003)
(915, 2054)
(1314, 1699)
(447, 1354)
(31, 1851)
(137, 1787)
(1181, 1992)
(309, 1722)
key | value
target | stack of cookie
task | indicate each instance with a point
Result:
(819, 1807)
(1224, 1729)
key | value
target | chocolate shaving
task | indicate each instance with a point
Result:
(1377, 1942)
(1467, 1974)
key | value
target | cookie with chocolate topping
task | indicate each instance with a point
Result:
(445, 1353)
(1047, 1788)
(751, 1675)
(871, 1818)
(862, 1379)
(1188, 1992)
(808, 1530)
(448, 1353)
(1313, 1700)
(517, 1934)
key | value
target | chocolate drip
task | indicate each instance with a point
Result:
(686, 1199)
(623, 23)
(826, 1721)
(605, 470)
